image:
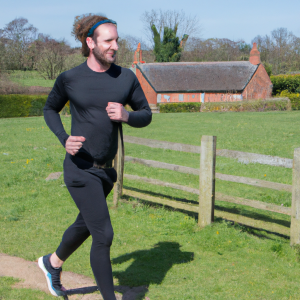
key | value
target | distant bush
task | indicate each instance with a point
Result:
(24, 105)
(290, 83)
(238, 106)
(294, 98)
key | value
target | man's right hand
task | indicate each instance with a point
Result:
(74, 143)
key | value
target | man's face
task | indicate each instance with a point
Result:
(106, 43)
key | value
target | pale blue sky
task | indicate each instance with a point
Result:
(231, 19)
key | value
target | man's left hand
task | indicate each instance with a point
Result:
(117, 112)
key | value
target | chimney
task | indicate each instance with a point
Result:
(254, 55)
(138, 55)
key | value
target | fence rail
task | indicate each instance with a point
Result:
(218, 196)
(226, 177)
(207, 195)
(244, 157)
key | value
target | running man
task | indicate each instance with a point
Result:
(98, 91)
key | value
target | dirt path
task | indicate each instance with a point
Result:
(32, 277)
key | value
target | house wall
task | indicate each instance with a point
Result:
(197, 97)
(146, 87)
(178, 97)
(260, 85)
(221, 97)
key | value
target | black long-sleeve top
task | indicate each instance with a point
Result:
(89, 93)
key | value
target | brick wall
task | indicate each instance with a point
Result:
(260, 85)
(146, 87)
(179, 97)
(221, 97)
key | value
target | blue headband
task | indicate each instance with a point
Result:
(91, 31)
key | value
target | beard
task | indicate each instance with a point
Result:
(102, 58)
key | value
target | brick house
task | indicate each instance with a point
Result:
(203, 81)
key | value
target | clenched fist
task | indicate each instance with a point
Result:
(117, 112)
(74, 143)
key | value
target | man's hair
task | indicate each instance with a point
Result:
(82, 25)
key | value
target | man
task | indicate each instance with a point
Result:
(98, 90)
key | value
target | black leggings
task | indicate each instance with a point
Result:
(87, 191)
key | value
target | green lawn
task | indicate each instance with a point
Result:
(9, 293)
(152, 245)
(30, 78)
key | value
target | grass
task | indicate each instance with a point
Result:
(7, 292)
(30, 78)
(156, 246)
(272, 133)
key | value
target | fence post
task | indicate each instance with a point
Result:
(295, 215)
(119, 167)
(207, 180)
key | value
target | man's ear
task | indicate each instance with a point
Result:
(90, 43)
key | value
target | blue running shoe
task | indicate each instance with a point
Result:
(52, 276)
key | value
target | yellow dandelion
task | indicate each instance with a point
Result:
(265, 175)
(27, 161)
(217, 232)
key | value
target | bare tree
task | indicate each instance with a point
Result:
(215, 50)
(186, 24)
(52, 57)
(280, 50)
(19, 34)
(127, 46)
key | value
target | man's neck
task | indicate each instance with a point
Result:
(95, 65)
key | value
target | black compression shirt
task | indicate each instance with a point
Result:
(89, 93)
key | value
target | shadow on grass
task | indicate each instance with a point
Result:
(161, 195)
(150, 266)
(254, 215)
(236, 209)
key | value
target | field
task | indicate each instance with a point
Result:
(156, 246)
(30, 78)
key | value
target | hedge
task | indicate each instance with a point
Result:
(290, 83)
(16, 105)
(294, 98)
(237, 106)
(179, 107)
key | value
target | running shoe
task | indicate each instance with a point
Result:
(52, 276)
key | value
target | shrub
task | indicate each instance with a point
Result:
(294, 98)
(238, 106)
(21, 105)
(24, 105)
(290, 83)
(179, 107)
(252, 105)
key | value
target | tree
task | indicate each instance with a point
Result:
(127, 45)
(170, 18)
(215, 50)
(169, 49)
(279, 51)
(52, 57)
(19, 35)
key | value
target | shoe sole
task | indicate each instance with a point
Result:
(48, 277)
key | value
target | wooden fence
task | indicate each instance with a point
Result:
(207, 176)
